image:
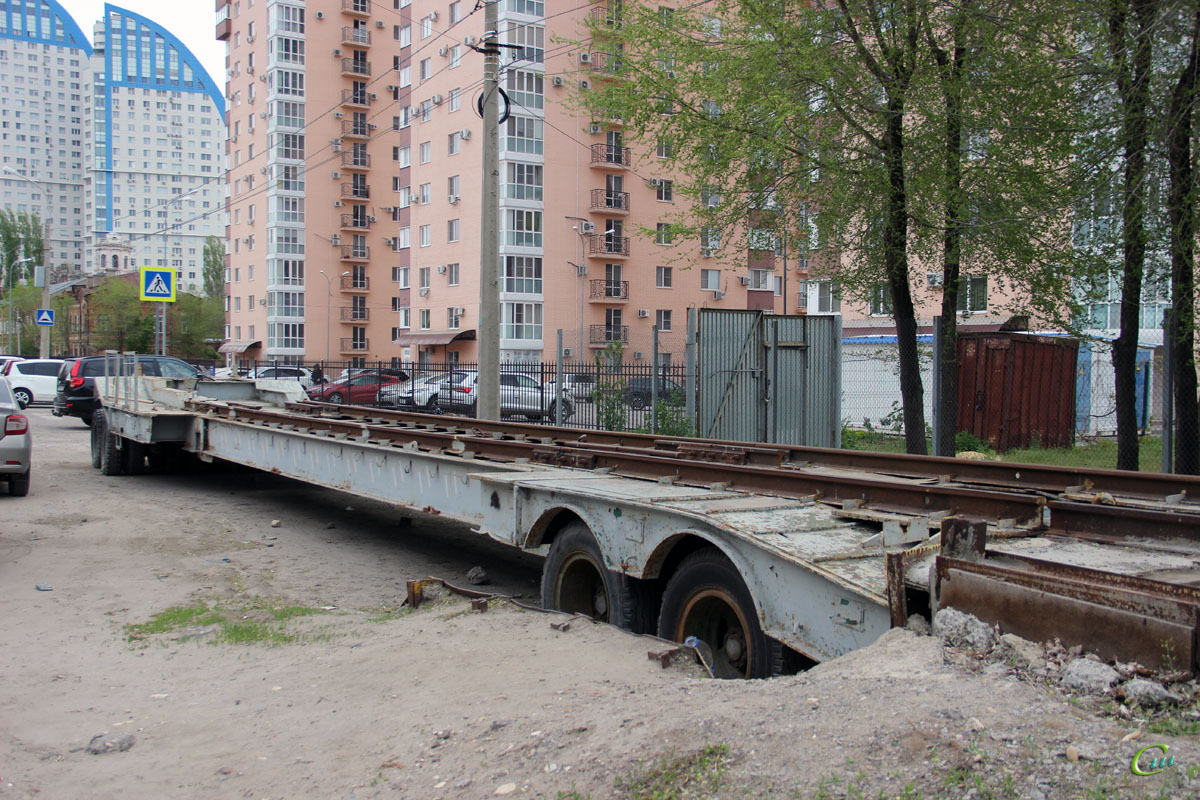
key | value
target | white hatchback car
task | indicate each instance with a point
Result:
(34, 380)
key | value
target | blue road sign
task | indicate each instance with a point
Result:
(44, 316)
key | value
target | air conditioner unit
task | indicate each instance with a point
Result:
(371, 125)
(338, 115)
(441, 269)
(443, 50)
(452, 199)
(469, 41)
(337, 51)
(371, 96)
(638, 355)
(744, 279)
(391, 87)
(585, 85)
(262, 78)
(335, 238)
(335, 175)
(585, 58)
(424, 292)
(336, 147)
(390, 243)
(458, 311)
(643, 313)
(337, 203)
(594, 128)
(655, 182)
(378, 23)
(245, 240)
(464, 134)
(262, 115)
(436, 99)
(320, 15)
(587, 227)
(389, 209)
(558, 80)
(433, 16)
(718, 295)
(566, 352)
(263, 170)
(934, 280)
(370, 219)
(249, 70)
(707, 252)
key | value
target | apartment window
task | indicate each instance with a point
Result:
(521, 321)
(536, 8)
(400, 277)
(455, 143)
(426, 110)
(452, 318)
(423, 275)
(285, 335)
(662, 277)
(291, 145)
(289, 83)
(526, 88)
(289, 114)
(710, 239)
(829, 300)
(523, 228)
(523, 181)
(881, 299)
(455, 99)
(453, 185)
(664, 235)
(426, 152)
(523, 274)
(426, 193)
(404, 76)
(403, 318)
(403, 237)
(455, 56)
(402, 34)
(665, 191)
(403, 194)
(423, 316)
(426, 68)
(426, 27)
(665, 150)
(426, 235)
(452, 274)
(289, 49)
(710, 280)
(523, 135)
(760, 280)
(455, 11)
(972, 294)
(402, 155)
(531, 39)
(662, 318)
(452, 230)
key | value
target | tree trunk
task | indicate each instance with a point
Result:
(895, 260)
(1133, 86)
(1181, 210)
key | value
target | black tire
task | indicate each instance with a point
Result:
(96, 446)
(23, 396)
(18, 485)
(112, 459)
(636, 400)
(431, 406)
(87, 420)
(135, 457)
(567, 411)
(707, 598)
(575, 580)
(336, 397)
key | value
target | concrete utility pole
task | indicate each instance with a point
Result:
(488, 335)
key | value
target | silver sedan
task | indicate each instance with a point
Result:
(16, 443)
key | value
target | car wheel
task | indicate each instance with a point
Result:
(336, 397)
(23, 396)
(431, 407)
(636, 400)
(18, 485)
(87, 420)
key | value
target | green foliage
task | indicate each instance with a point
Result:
(214, 267)
(20, 236)
(121, 321)
(608, 394)
(697, 774)
(193, 321)
(258, 621)
(965, 441)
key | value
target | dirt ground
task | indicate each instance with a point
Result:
(278, 662)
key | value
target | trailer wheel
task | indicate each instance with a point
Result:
(96, 444)
(135, 457)
(707, 598)
(112, 459)
(575, 580)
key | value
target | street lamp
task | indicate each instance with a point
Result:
(44, 348)
(581, 271)
(328, 309)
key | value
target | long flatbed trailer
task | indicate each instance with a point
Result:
(759, 551)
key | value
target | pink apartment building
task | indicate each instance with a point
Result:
(355, 177)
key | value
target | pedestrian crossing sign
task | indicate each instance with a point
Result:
(157, 284)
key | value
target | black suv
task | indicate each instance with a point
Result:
(638, 392)
(77, 381)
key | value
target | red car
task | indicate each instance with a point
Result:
(359, 390)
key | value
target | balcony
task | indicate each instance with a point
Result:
(356, 283)
(357, 98)
(610, 202)
(359, 191)
(605, 291)
(224, 30)
(356, 222)
(607, 17)
(352, 314)
(357, 8)
(356, 68)
(606, 246)
(603, 64)
(600, 335)
(358, 37)
(356, 129)
(609, 156)
(354, 345)
(356, 161)
(352, 253)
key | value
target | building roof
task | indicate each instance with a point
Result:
(41, 22)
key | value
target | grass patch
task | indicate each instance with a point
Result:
(1172, 725)
(259, 621)
(696, 774)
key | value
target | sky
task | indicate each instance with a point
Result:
(191, 21)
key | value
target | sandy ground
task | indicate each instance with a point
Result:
(371, 700)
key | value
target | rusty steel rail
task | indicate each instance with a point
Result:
(851, 489)
(1052, 481)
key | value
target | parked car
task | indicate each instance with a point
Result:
(638, 392)
(33, 380)
(362, 390)
(520, 395)
(77, 381)
(576, 385)
(5, 359)
(421, 393)
(16, 443)
(394, 372)
(282, 372)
